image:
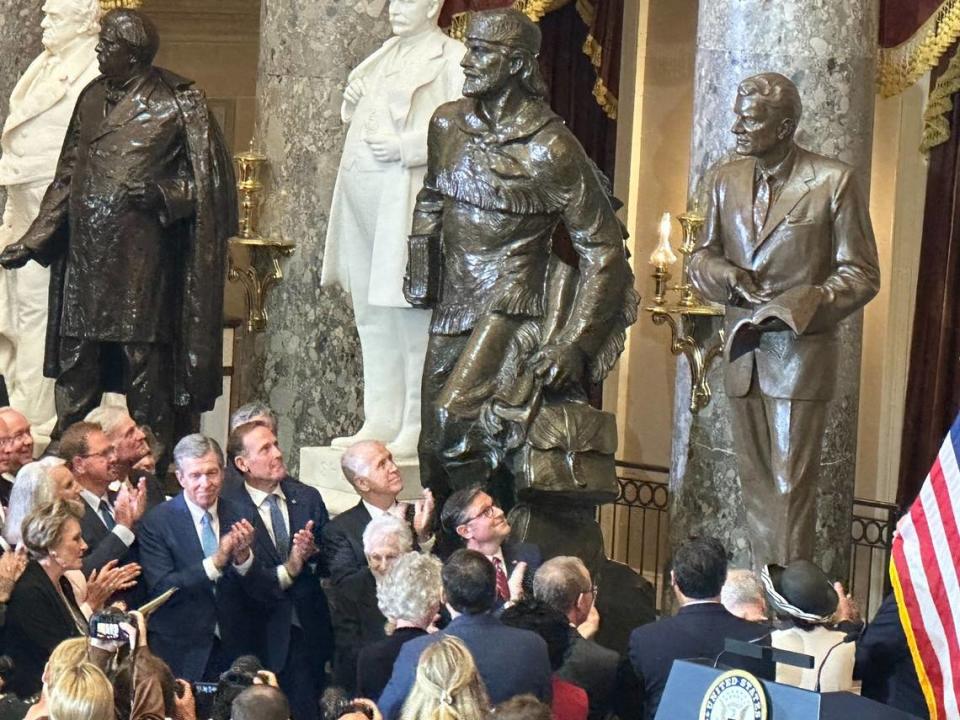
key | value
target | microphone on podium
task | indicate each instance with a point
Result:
(850, 637)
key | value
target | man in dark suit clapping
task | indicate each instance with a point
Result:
(480, 524)
(200, 543)
(370, 469)
(294, 635)
(699, 628)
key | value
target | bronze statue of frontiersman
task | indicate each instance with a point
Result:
(134, 229)
(515, 332)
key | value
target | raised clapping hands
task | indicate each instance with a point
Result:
(109, 580)
(131, 504)
(303, 548)
(12, 565)
(423, 516)
(234, 545)
(515, 583)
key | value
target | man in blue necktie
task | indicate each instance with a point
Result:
(293, 634)
(202, 544)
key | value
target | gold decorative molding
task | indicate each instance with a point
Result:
(901, 66)
(936, 122)
(114, 4)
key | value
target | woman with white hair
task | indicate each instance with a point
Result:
(409, 597)
(357, 620)
(37, 483)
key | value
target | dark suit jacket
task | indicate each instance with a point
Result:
(343, 542)
(510, 661)
(276, 619)
(594, 668)
(182, 631)
(515, 552)
(375, 662)
(37, 621)
(357, 622)
(885, 665)
(696, 631)
(103, 544)
(817, 235)
(5, 487)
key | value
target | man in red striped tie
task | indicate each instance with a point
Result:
(473, 516)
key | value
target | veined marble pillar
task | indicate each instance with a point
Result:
(308, 359)
(19, 44)
(827, 47)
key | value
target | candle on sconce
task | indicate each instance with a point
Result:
(663, 255)
(662, 258)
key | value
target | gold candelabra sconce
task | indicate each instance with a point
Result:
(256, 284)
(679, 306)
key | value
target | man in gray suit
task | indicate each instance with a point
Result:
(788, 247)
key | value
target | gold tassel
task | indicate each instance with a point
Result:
(605, 99)
(901, 66)
(936, 124)
(593, 50)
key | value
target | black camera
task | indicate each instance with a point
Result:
(106, 625)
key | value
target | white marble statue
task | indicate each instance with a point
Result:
(388, 102)
(40, 109)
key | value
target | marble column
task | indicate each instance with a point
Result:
(827, 47)
(307, 362)
(19, 44)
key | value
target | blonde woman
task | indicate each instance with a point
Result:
(81, 692)
(448, 686)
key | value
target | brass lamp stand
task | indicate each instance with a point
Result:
(250, 166)
(679, 306)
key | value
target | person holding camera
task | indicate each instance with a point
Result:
(43, 608)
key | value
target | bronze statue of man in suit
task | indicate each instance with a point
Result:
(788, 247)
(134, 229)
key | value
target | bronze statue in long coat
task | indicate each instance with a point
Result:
(134, 227)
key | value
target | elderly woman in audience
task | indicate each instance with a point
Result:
(409, 597)
(802, 594)
(38, 483)
(356, 616)
(43, 609)
(448, 686)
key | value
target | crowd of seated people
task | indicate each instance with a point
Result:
(390, 610)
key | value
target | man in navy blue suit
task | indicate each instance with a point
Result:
(202, 544)
(510, 661)
(480, 524)
(294, 636)
(698, 630)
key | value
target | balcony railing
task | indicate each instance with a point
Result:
(636, 531)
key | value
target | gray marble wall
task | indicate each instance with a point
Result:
(307, 363)
(827, 47)
(19, 44)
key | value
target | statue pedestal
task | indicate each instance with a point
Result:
(320, 468)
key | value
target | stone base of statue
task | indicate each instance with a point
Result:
(320, 468)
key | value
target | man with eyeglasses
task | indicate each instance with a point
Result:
(108, 527)
(473, 516)
(21, 439)
(564, 583)
(130, 442)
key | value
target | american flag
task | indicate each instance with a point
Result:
(924, 570)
